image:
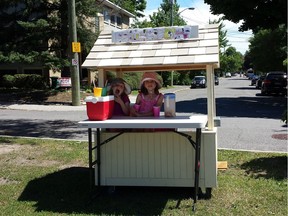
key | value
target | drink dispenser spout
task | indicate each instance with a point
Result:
(169, 105)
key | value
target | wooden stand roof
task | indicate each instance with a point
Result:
(160, 55)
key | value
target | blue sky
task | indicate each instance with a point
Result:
(200, 16)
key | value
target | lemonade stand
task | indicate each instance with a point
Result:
(172, 158)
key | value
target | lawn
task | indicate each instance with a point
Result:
(50, 177)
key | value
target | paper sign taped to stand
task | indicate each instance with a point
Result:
(152, 34)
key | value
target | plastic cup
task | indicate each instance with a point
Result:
(97, 91)
(156, 111)
(136, 107)
(104, 91)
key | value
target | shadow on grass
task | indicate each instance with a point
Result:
(67, 191)
(59, 129)
(270, 168)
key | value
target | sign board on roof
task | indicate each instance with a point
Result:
(152, 34)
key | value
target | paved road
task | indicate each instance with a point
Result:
(249, 121)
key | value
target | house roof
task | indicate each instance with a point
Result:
(160, 55)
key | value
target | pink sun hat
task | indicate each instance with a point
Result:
(151, 76)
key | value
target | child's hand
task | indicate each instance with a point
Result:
(117, 99)
(133, 112)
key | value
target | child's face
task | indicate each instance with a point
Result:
(150, 84)
(118, 89)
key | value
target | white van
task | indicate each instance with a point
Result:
(250, 73)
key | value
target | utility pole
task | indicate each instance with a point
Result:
(74, 60)
(171, 17)
(171, 24)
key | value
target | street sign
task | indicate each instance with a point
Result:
(76, 47)
(74, 62)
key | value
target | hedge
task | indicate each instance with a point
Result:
(24, 81)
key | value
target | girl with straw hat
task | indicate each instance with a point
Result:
(149, 95)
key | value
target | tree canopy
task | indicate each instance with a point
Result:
(37, 31)
(163, 16)
(256, 14)
(135, 7)
(268, 50)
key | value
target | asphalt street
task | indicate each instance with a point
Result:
(249, 121)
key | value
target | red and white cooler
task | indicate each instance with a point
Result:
(99, 108)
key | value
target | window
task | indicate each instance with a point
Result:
(106, 16)
(119, 21)
(113, 19)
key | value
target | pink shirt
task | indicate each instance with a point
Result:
(147, 105)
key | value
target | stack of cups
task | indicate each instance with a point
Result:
(97, 91)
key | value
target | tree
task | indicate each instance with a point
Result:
(248, 63)
(231, 60)
(223, 41)
(37, 31)
(256, 14)
(268, 49)
(135, 7)
(163, 16)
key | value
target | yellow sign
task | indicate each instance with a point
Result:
(76, 47)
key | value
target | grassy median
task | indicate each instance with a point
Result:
(50, 177)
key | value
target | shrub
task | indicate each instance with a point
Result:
(133, 79)
(8, 81)
(24, 81)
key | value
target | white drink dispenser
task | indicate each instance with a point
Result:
(169, 105)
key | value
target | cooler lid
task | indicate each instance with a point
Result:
(99, 99)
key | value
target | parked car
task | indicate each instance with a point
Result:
(259, 82)
(198, 81)
(228, 74)
(216, 79)
(274, 82)
(254, 80)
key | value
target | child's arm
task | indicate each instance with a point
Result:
(124, 106)
(133, 112)
(160, 100)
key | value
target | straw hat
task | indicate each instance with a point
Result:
(151, 76)
(120, 80)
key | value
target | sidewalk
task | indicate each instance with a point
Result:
(61, 107)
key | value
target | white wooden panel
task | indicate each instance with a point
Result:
(209, 157)
(157, 159)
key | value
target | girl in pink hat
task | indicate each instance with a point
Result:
(149, 95)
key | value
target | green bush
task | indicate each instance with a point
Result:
(133, 79)
(24, 81)
(8, 81)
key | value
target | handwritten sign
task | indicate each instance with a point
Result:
(151, 34)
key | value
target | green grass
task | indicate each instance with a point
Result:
(50, 177)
